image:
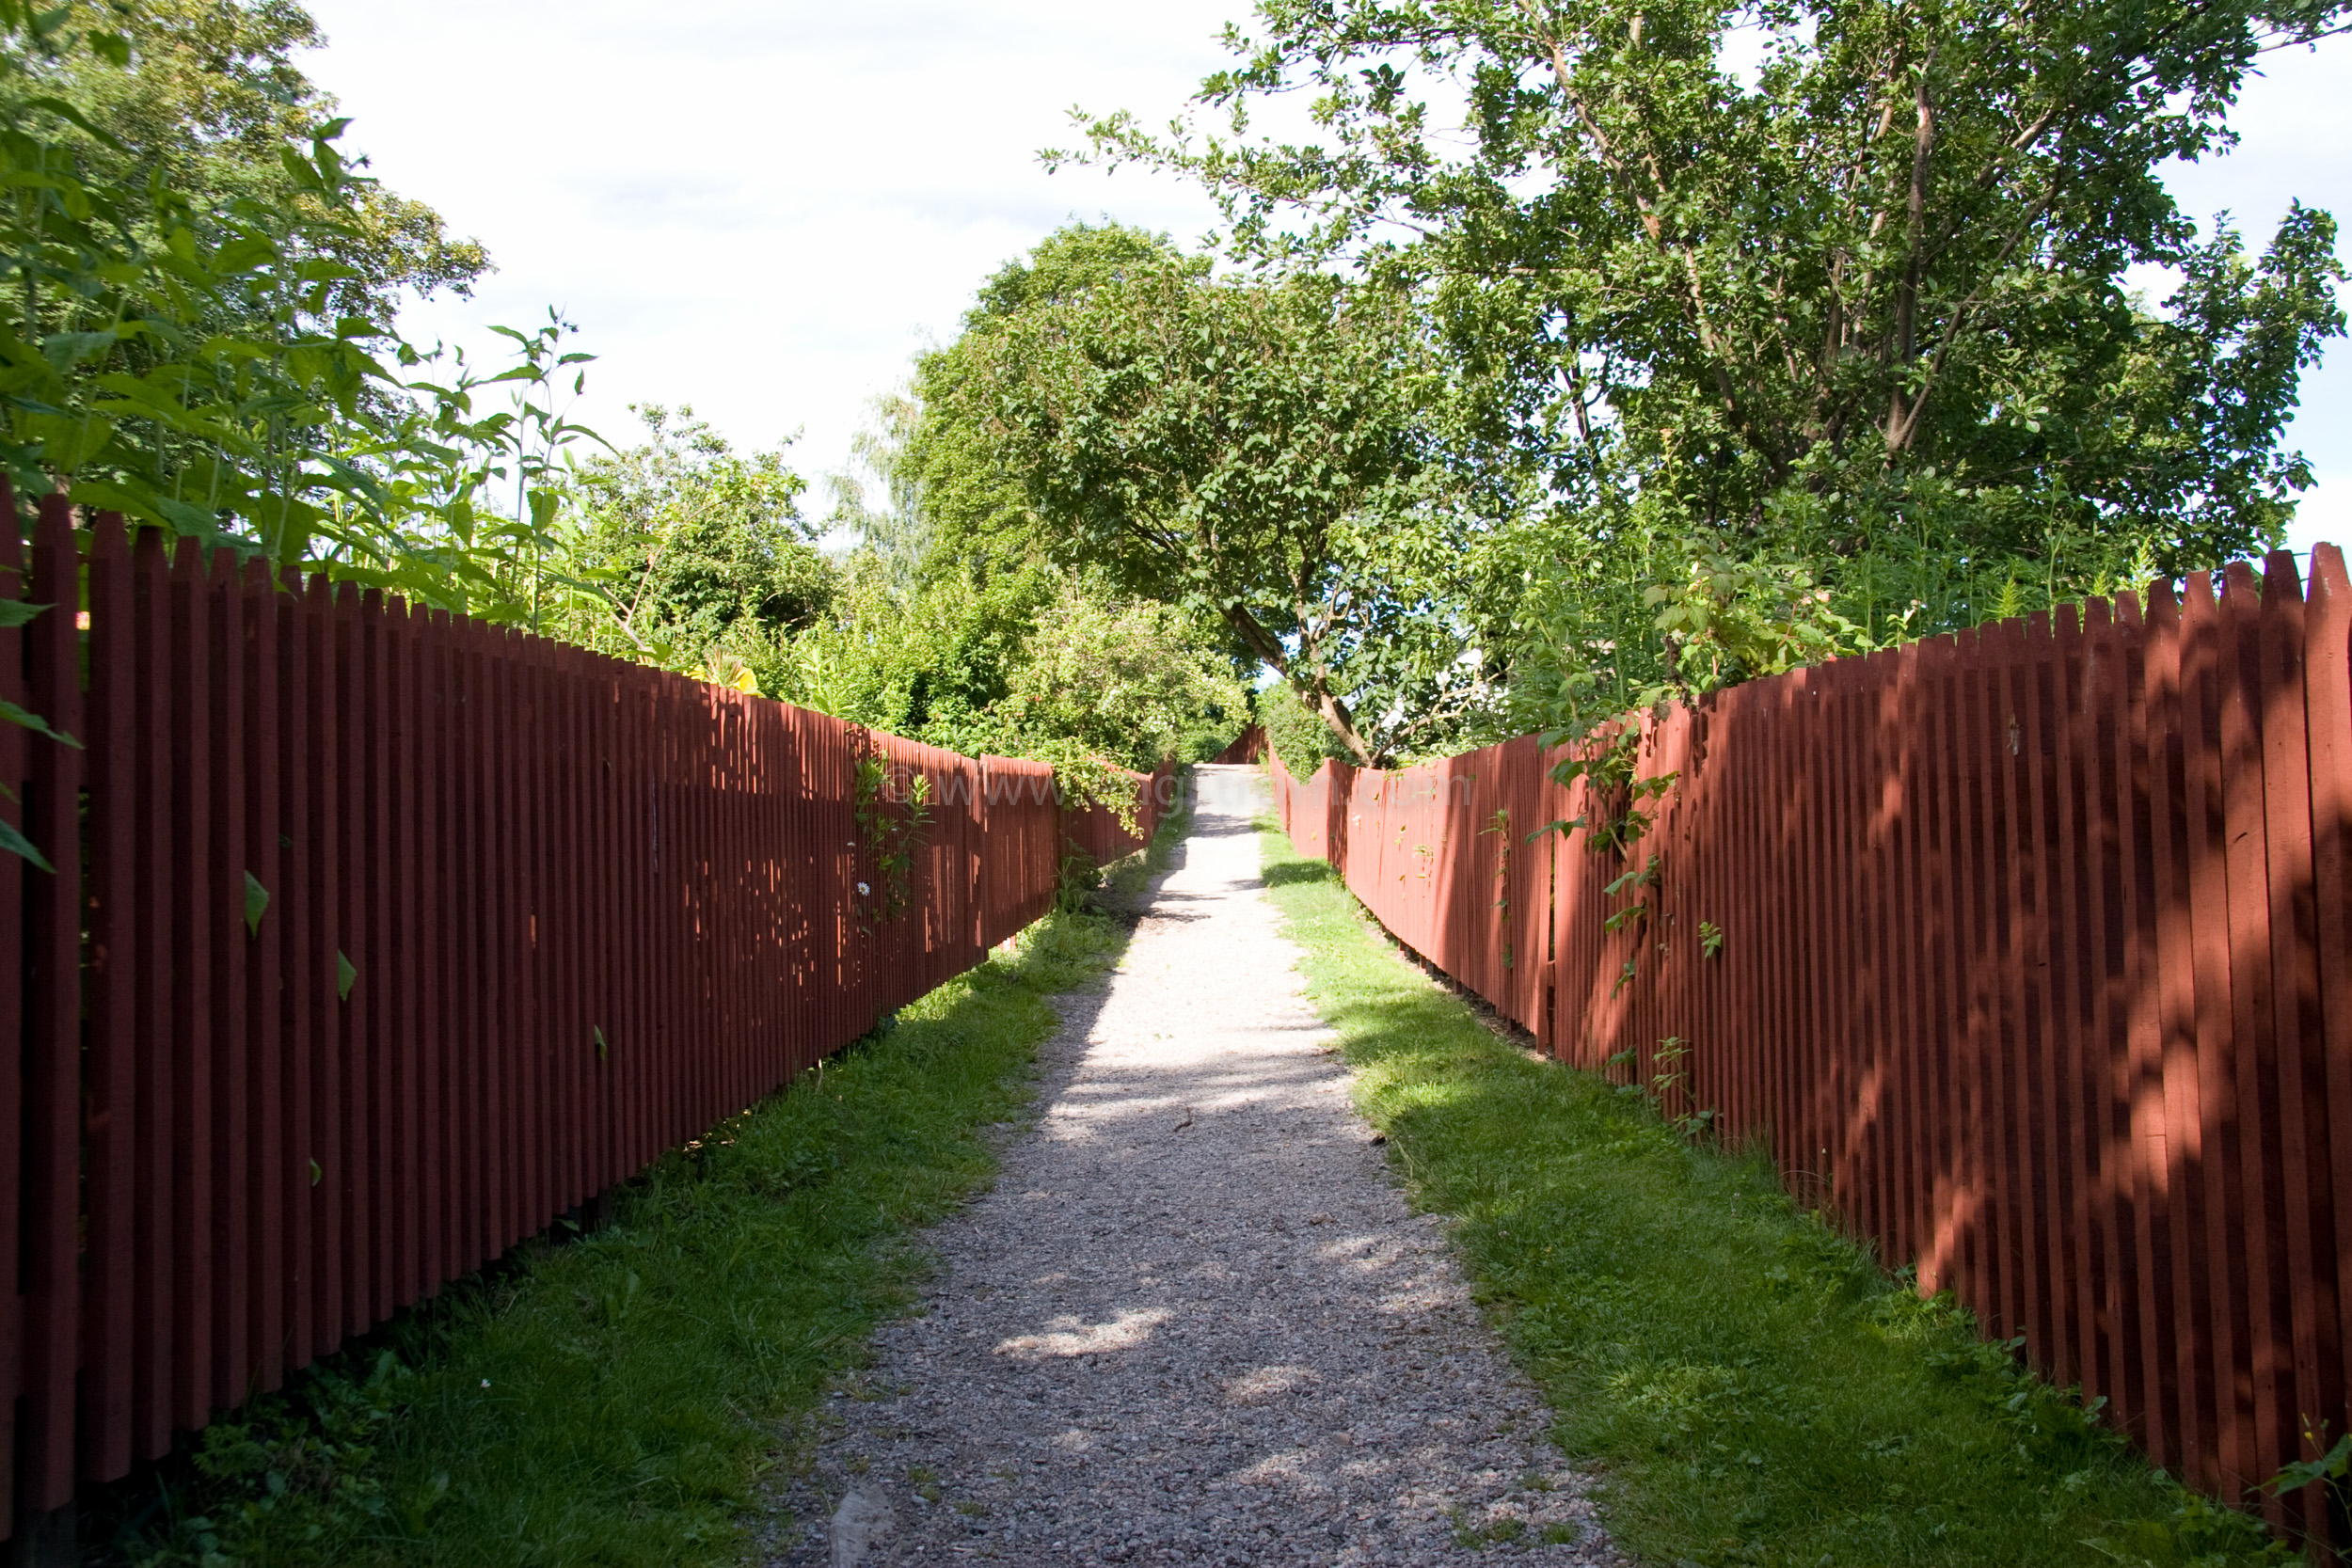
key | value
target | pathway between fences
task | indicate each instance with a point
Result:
(372, 939)
(1194, 1322)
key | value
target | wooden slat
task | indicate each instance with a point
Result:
(2327, 716)
(15, 583)
(111, 1131)
(352, 1179)
(333, 1082)
(2307, 1295)
(2258, 1226)
(263, 1170)
(155, 789)
(48, 1237)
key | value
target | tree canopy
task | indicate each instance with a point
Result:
(690, 543)
(1858, 313)
(1242, 451)
(202, 96)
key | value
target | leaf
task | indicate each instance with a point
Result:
(15, 843)
(601, 1048)
(66, 111)
(300, 167)
(2303, 1472)
(345, 974)
(316, 1173)
(67, 442)
(256, 900)
(65, 350)
(190, 520)
(17, 613)
(34, 722)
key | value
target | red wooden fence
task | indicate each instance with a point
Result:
(2027, 952)
(1248, 745)
(378, 938)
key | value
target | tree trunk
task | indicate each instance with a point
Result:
(1339, 721)
(1314, 690)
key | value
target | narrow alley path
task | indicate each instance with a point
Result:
(1194, 1322)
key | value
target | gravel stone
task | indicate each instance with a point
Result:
(1194, 1322)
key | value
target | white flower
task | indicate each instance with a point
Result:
(865, 892)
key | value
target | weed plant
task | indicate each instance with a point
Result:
(1749, 1386)
(616, 1398)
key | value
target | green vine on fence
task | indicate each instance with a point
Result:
(1607, 766)
(890, 836)
(1641, 876)
(1499, 825)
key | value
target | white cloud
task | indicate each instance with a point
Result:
(762, 210)
(765, 208)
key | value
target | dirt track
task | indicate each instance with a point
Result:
(1195, 1323)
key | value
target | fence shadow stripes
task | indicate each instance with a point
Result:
(375, 938)
(2027, 951)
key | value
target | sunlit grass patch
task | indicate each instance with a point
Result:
(1749, 1385)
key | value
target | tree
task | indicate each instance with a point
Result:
(200, 96)
(1860, 313)
(897, 534)
(194, 334)
(1247, 450)
(693, 547)
(176, 363)
(977, 505)
(1126, 680)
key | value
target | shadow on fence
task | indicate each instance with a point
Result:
(378, 939)
(2028, 951)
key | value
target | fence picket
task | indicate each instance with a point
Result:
(161, 1073)
(111, 1102)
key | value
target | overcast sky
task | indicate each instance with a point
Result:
(765, 208)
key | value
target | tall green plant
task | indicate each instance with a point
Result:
(216, 368)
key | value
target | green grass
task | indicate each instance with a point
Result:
(1749, 1385)
(616, 1399)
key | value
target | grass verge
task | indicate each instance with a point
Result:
(1749, 1385)
(615, 1399)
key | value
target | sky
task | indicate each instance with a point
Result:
(765, 207)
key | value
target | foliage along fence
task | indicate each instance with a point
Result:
(2023, 951)
(377, 940)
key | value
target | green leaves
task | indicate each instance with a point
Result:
(678, 546)
(256, 901)
(200, 304)
(15, 714)
(12, 839)
(2331, 1466)
(1824, 349)
(1246, 449)
(346, 975)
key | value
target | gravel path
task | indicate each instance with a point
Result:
(1194, 1322)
